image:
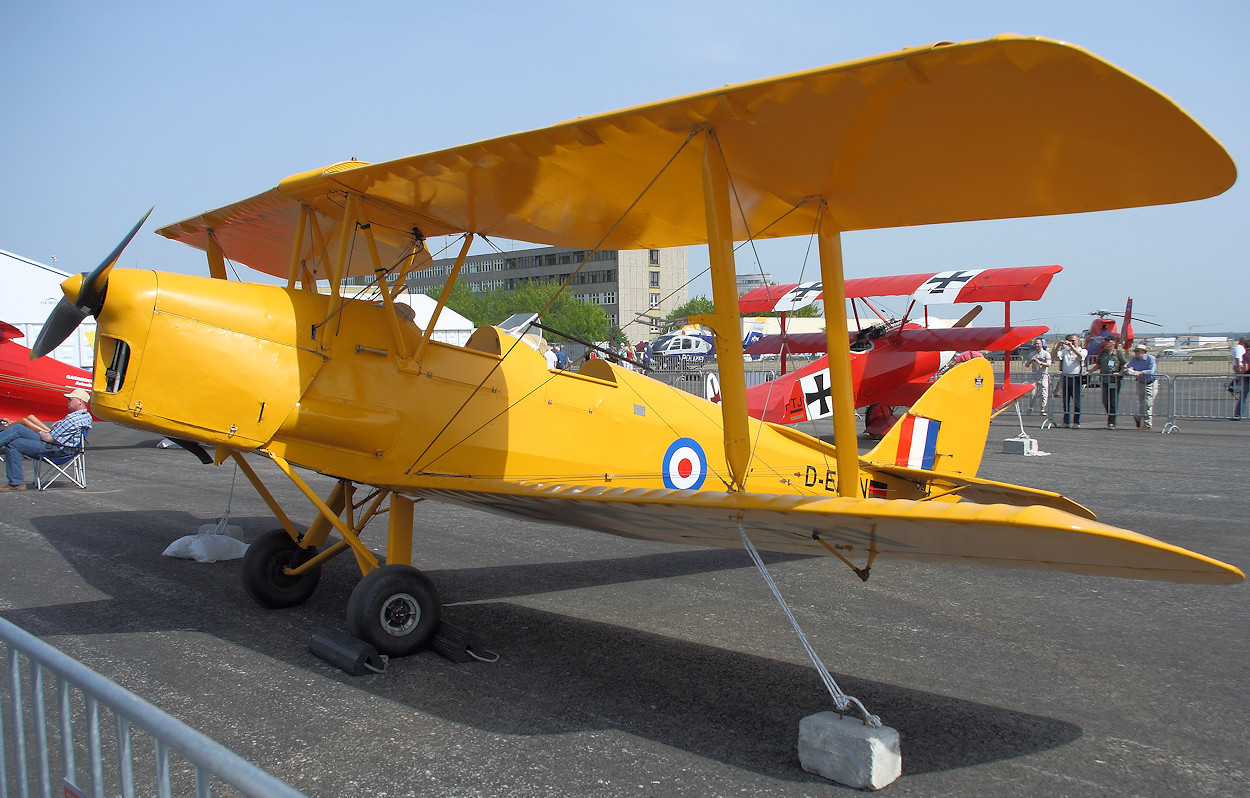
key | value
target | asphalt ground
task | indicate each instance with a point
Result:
(633, 668)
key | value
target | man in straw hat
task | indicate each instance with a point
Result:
(31, 437)
(1145, 369)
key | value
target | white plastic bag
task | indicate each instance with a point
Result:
(206, 547)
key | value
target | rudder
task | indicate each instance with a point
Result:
(945, 431)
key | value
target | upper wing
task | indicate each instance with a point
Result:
(1013, 284)
(789, 297)
(1001, 128)
(1021, 283)
(1035, 537)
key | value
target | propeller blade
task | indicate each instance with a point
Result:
(967, 318)
(61, 323)
(91, 295)
(67, 315)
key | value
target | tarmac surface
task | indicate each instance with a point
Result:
(629, 668)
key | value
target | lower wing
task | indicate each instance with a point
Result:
(1033, 537)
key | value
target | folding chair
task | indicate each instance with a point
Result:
(72, 466)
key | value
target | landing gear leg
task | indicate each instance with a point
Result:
(395, 607)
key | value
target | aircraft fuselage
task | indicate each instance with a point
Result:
(318, 381)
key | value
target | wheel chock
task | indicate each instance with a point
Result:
(458, 644)
(343, 651)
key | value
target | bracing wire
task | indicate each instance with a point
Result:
(841, 700)
(563, 287)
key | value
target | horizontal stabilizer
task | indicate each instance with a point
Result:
(984, 491)
(908, 393)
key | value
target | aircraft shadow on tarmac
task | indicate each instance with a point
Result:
(556, 675)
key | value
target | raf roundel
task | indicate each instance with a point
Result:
(685, 465)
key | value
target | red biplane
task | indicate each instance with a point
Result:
(893, 361)
(34, 387)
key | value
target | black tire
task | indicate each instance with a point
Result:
(263, 578)
(395, 609)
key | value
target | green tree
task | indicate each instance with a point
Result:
(465, 302)
(805, 312)
(561, 311)
(558, 310)
(699, 304)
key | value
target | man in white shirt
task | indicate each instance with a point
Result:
(1071, 357)
(1039, 361)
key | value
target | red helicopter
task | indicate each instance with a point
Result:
(1104, 328)
(34, 387)
(893, 361)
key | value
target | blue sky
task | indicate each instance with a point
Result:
(110, 108)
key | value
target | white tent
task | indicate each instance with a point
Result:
(452, 328)
(32, 290)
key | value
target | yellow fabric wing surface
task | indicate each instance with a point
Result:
(1038, 538)
(1002, 128)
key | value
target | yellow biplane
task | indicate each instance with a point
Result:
(353, 389)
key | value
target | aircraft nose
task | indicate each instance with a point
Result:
(72, 286)
(84, 296)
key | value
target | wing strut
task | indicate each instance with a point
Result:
(724, 320)
(442, 298)
(838, 346)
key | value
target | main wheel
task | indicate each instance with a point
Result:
(262, 571)
(395, 609)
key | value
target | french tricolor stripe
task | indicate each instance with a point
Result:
(917, 443)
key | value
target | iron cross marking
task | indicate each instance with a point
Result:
(800, 292)
(821, 395)
(954, 277)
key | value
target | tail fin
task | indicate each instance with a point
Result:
(945, 430)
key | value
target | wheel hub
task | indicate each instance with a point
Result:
(400, 614)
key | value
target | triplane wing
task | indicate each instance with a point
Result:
(352, 388)
(1013, 284)
(893, 361)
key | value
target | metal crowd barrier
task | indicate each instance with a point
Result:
(78, 693)
(694, 381)
(1204, 397)
(1178, 397)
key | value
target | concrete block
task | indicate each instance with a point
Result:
(1020, 446)
(842, 749)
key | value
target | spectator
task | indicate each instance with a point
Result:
(1144, 367)
(1039, 361)
(1111, 362)
(1241, 369)
(1071, 357)
(31, 437)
